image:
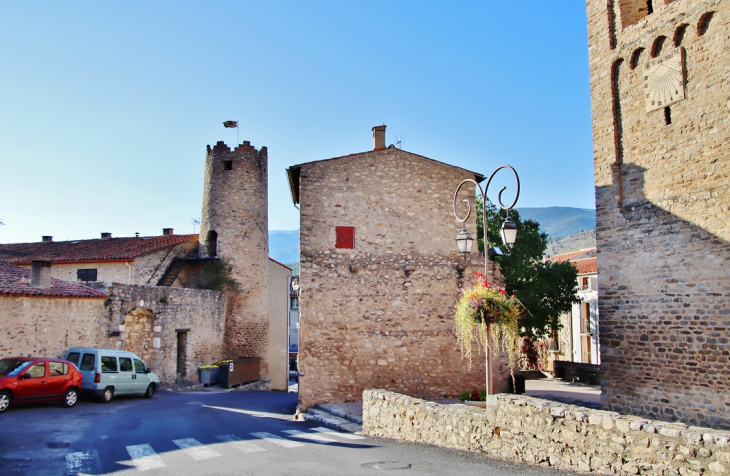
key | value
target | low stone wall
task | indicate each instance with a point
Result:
(546, 433)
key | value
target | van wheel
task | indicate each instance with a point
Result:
(70, 398)
(150, 390)
(106, 397)
(5, 400)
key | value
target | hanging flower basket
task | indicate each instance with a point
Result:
(480, 305)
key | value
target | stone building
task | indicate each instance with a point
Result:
(659, 93)
(379, 276)
(139, 260)
(235, 226)
(149, 306)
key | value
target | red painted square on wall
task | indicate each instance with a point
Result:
(345, 236)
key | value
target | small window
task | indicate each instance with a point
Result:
(109, 364)
(345, 237)
(37, 371)
(73, 357)
(86, 275)
(87, 362)
(228, 164)
(139, 366)
(56, 369)
(125, 364)
(585, 283)
(667, 116)
(294, 302)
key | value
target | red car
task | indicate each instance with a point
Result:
(36, 379)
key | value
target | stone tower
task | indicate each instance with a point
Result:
(234, 226)
(659, 94)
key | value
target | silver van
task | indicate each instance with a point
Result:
(108, 372)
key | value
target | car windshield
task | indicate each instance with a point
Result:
(11, 367)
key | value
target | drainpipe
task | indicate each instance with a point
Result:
(129, 275)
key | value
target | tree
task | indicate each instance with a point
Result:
(217, 275)
(546, 290)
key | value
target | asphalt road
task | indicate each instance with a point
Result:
(211, 433)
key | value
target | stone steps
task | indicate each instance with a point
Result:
(330, 420)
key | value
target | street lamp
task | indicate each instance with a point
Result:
(464, 241)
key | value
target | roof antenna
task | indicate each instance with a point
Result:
(136, 234)
(194, 221)
(398, 144)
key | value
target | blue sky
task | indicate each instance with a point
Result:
(106, 109)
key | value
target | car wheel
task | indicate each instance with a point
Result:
(150, 391)
(70, 398)
(106, 397)
(5, 400)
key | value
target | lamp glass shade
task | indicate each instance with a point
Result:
(464, 241)
(509, 232)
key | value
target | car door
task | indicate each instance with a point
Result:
(109, 372)
(142, 380)
(32, 384)
(87, 367)
(58, 377)
(126, 382)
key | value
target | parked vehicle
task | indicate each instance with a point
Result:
(108, 372)
(36, 379)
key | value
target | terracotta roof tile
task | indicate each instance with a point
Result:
(89, 250)
(571, 255)
(586, 265)
(15, 281)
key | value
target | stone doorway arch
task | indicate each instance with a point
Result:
(140, 335)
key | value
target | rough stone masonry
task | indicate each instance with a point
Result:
(378, 310)
(659, 93)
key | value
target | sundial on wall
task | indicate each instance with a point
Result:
(664, 79)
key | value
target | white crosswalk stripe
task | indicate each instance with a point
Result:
(347, 436)
(310, 436)
(195, 449)
(144, 457)
(82, 462)
(239, 444)
(277, 440)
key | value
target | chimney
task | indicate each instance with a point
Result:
(47, 239)
(40, 274)
(167, 232)
(105, 235)
(379, 137)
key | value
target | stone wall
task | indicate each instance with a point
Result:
(381, 313)
(662, 211)
(544, 433)
(48, 326)
(157, 316)
(235, 210)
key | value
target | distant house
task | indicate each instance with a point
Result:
(577, 341)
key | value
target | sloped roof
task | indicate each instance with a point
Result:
(109, 249)
(572, 255)
(15, 281)
(292, 172)
(586, 265)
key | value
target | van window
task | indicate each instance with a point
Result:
(139, 366)
(125, 364)
(87, 362)
(73, 357)
(56, 369)
(108, 364)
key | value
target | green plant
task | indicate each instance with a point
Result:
(473, 396)
(217, 275)
(480, 305)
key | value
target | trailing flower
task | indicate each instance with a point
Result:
(481, 305)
